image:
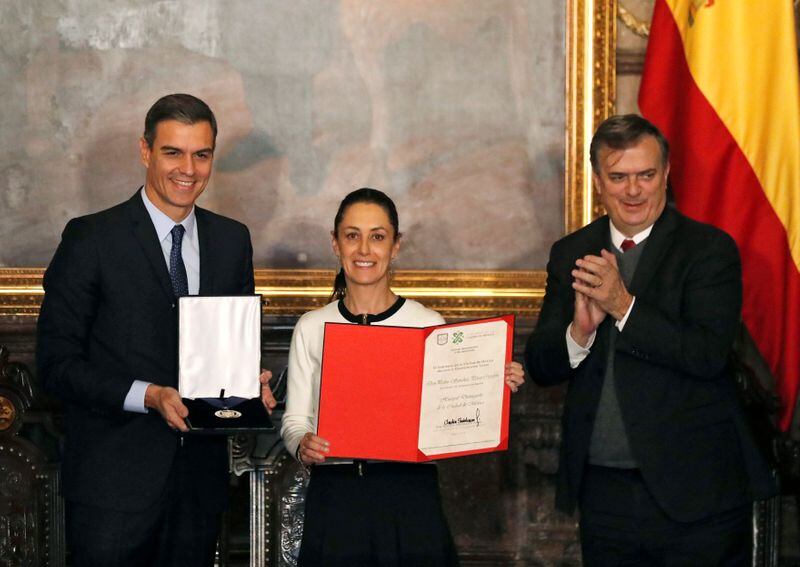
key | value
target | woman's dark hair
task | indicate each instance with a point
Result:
(363, 195)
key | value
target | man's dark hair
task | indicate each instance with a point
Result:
(184, 108)
(623, 131)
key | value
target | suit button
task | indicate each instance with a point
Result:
(173, 306)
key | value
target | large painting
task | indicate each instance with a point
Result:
(469, 113)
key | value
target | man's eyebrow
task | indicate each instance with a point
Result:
(619, 172)
(174, 149)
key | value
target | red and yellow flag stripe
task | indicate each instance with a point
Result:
(721, 82)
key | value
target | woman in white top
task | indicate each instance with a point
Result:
(364, 513)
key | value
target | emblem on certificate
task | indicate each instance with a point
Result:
(228, 414)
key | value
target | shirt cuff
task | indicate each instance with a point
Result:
(576, 352)
(621, 323)
(134, 401)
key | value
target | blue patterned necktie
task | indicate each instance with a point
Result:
(177, 270)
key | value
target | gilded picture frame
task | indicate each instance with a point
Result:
(589, 96)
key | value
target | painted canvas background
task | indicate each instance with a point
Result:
(454, 107)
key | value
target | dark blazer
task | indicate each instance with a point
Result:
(677, 399)
(108, 318)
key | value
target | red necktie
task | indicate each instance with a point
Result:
(627, 244)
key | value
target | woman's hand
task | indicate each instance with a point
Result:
(515, 375)
(312, 449)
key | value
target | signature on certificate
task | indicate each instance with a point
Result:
(465, 419)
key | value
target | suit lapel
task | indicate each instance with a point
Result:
(598, 238)
(658, 243)
(145, 234)
(206, 252)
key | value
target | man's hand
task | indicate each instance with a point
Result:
(586, 318)
(266, 392)
(598, 278)
(168, 403)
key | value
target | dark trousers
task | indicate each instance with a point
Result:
(622, 524)
(386, 514)
(175, 531)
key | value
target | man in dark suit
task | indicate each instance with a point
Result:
(639, 317)
(138, 491)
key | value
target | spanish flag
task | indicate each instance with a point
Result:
(721, 81)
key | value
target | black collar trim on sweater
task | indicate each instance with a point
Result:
(371, 318)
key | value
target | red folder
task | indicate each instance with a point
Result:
(371, 391)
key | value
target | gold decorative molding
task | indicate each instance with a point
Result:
(293, 292)
(452, 293)
(590, 90)
(20, 293)
(634, 24)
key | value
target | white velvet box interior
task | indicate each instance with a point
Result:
(219, 346)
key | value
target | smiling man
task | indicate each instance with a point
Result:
(139, 492)
(639, 318)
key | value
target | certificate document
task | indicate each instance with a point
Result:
(462, 388)
(410, 394)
